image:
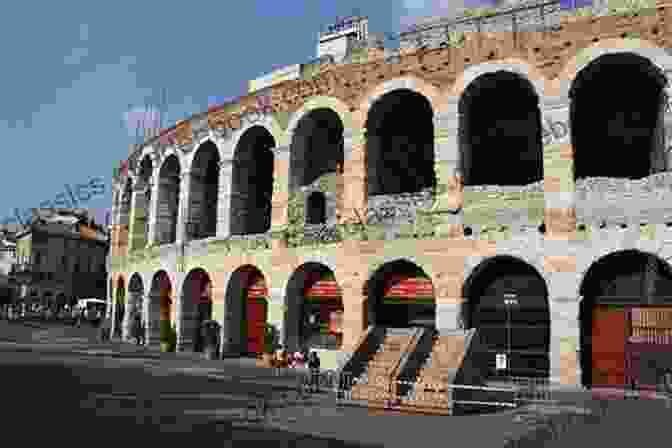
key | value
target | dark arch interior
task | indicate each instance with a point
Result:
(205, 188)
(609, 118)
(169, 198)
(507, 300)
(304, 318)
(146, 170)
(196, 306)
(619, 279)
(317, 208)
(404, 313)
(400, 144)
(316, 148)
(252, 183)
(239, 325)
(500, 126)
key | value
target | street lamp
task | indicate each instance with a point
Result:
(509, 300)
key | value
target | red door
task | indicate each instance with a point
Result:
(256, 320)
(608, 336)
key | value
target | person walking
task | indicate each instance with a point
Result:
(314, 366)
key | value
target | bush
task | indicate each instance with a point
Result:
(168, 334)
(270, 338)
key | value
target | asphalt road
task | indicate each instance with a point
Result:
(78, 400)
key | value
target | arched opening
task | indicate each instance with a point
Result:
(202, 221)
(629, 124)
(143, 188)
(316, 148)
(400, 294)
(160, 300)
(169, 201)
(119, 307)
(614, 283)
(506, 299)
(124, 217)
(314, 309)
(61, 302)
(317, 208)
(134, 304)
(399, 152)
(196, 309)
(252, 188)
(246, 311)
(492, 136)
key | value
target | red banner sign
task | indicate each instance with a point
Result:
(410, 288)
(257, 289)
(323, 288)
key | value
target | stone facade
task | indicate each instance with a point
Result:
(503, 220)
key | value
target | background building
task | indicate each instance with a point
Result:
(61, 257)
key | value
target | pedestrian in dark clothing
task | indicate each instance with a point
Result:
(137, 329)
(314, 366)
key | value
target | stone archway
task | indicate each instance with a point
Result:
(252, 182)
(204, 192)
(246, 311)
(134, 304)
(613, 284)
(399, 157)
(400, 294)
(196, 307)
(314, 309)
(168, 204)
(492, 136)
(317, 147)
(629, 123)
(158, 306)
(139, 221)
(506, 299)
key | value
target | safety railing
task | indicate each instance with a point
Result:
(433, 395)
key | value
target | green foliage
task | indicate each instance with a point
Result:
(630, 7)
(295, 219)
(479, 12)
(586, 11)
(456, 39)
(271, 337)
(168, 334)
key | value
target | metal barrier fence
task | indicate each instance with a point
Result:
(432, 394)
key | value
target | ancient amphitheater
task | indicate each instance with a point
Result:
(513, 185)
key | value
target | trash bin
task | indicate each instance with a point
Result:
(210, 332)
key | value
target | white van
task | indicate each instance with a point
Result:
(94, 309)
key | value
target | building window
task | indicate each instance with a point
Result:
(322, 324)
(317, 208)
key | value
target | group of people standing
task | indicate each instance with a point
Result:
(299, 360)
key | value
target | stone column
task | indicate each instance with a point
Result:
(183, 207)
(280, 188)
(153, 210)
(449, 301)
(138, 217)
(355, 191)
(123, 226)
(559, 186)
(563, 285)
(448, 173)
(354, 314)
(224, 198)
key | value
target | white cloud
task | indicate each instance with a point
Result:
(76, 56)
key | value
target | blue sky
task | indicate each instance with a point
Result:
(72, 68)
